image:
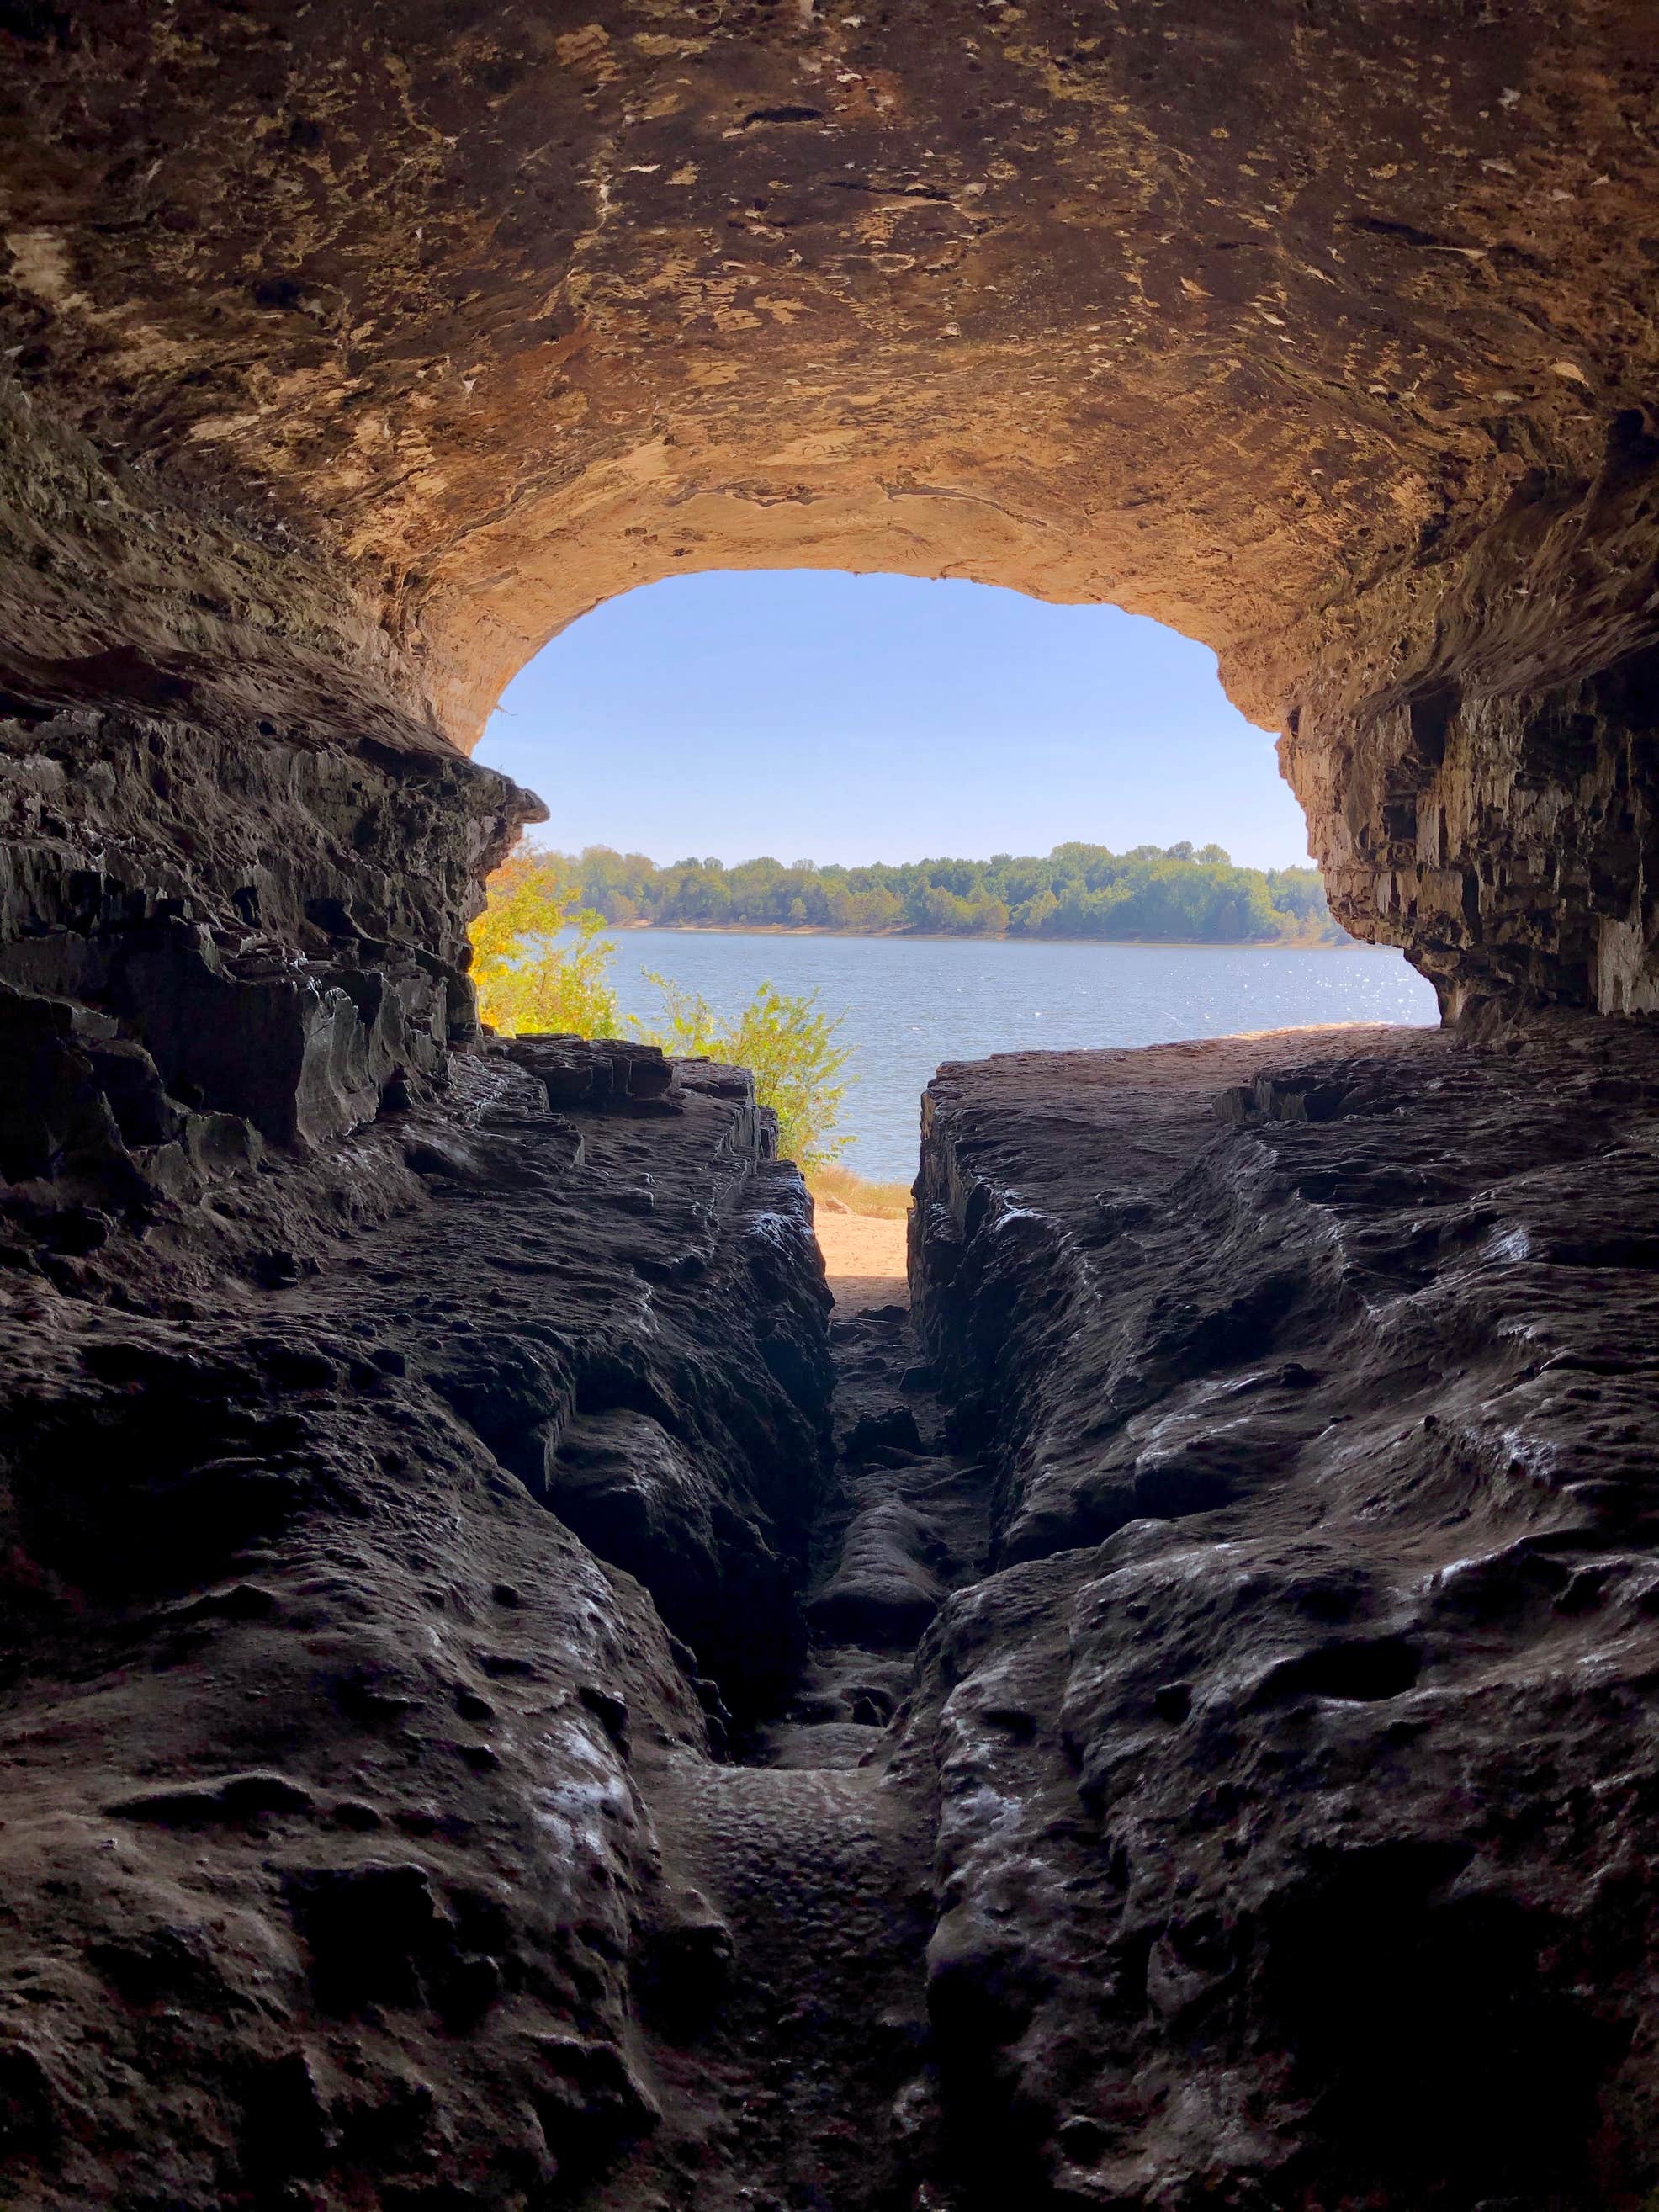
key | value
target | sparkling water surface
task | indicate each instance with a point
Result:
(910, 1002)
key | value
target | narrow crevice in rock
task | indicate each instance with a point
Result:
(802, 2034)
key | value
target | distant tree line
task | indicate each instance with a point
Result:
(1177, 891)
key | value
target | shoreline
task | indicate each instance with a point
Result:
(965, 936)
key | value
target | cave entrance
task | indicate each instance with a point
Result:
(959, 819)
(1331, 344)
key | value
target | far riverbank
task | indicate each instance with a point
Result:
(986, 937)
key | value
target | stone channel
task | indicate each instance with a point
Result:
(525, 1703)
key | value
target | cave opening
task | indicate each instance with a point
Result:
(508, 1698)
(870, 721)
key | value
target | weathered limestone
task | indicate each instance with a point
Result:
(1504, 842)
(326, 1874)
(207, 949)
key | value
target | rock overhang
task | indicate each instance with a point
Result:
(396, 338)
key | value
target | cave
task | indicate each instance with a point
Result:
(508, 1702)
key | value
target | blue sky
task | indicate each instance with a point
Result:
(814, 714)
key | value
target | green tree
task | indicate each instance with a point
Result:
(1032, 916)
(787, 1044)
(936, 908)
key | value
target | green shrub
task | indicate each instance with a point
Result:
(787, 1044)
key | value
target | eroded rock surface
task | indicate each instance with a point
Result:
(211, 952)
(326, 1875)
(1296, 1827)
(486, 1725)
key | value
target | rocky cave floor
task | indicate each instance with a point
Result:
(512, 1701)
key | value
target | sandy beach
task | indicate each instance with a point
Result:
(864, 1259)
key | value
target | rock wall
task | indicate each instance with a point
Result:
(326, 1872)
(210, 947)
(1489, 810)
(237, 857)
(1294, 1835)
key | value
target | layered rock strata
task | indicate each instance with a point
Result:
(209, 947)
(326, 1871)
(1296, 1823)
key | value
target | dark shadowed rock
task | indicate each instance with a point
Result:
(1322, 1456)
(331, 1797)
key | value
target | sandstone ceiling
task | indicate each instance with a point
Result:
(355, 350)
(1254, 315)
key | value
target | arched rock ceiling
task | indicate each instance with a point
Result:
(1255, 315)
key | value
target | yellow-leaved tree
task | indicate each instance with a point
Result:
(540, 963)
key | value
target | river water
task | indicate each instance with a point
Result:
(910, 1002)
